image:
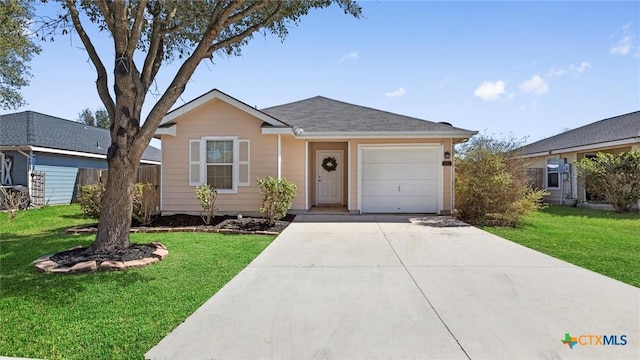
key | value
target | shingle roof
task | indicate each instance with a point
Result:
(320, 114)
(612, 129)
(30, 128)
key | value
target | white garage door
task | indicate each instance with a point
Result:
(400, 179)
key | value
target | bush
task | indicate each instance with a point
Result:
(616, 178)
(277, 195)
(492, 183)
(13, 200)
(90, 199)
(207, 195)
(145, 202)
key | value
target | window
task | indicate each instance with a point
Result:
(222, 162)
(553, 173)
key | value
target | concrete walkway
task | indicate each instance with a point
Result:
(386, 288)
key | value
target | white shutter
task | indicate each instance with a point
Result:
(243, 163)
(194, 163)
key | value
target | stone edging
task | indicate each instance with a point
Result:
(45, 264)
(150, 230)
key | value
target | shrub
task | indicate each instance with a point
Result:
(207, 195)
(145, 203)
(277, 195)
(616, 178)
(145, 200)
(90, 199)
(492, 183)
(13, 200)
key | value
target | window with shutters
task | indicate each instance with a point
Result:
(222, 162)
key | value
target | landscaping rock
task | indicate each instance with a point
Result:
(85, 266)
(135, 263)
(46, 265)
(159, 245)
(42, 258)
(112, 265)
(61, 270)
(161, 253)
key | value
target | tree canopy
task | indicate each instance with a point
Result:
(147, 34)
(99, 118)
(17, 47)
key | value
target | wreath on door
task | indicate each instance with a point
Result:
(329, 164)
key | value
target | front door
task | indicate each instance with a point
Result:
(329, 168)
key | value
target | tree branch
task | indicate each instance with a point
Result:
(107, 13)
(101, 81)
(155, 52)
(237, 38)
(136, 30)
(241, 15)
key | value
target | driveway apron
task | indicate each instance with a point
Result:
(401, 287)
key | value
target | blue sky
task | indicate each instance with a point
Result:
(532, 69)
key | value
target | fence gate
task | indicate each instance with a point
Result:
(36, 188)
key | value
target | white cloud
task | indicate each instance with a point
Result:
(535, 85)
(623, 46)
(396, 93)
(555, 72)
(352, 56)
(489, 91)
(579, 69)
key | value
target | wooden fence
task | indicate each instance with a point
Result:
(146, 174)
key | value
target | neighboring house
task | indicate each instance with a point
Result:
(338, 154)
(552, 160)
(32, 143)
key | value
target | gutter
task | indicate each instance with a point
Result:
(595, 146)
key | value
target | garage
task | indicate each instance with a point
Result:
(400, 179)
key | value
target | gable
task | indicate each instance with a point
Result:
(219, 118)
(175, 115)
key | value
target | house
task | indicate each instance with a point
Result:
(357, 158)
(32, 143)
(553, 159)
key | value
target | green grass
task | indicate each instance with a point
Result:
(114, 315)
(602, 241)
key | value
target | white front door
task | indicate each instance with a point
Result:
(329, 168)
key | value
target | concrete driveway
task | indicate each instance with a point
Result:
(382, 287)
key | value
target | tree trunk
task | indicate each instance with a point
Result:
(117, 205)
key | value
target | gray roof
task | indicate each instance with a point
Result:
(612, 129)
(30, 128)
(320, 114)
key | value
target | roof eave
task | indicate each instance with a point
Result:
(171, 116)
(386, 134)
(594, 146)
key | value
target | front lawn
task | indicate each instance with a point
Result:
(602, 241)
(105, 315)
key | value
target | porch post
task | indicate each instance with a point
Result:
(279, 156)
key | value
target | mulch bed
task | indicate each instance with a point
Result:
(194, 223)
(74, 256)
(244, 224)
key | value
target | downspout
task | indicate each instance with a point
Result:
(279, 156)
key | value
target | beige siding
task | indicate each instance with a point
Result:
(215, 118)
(293, 168)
